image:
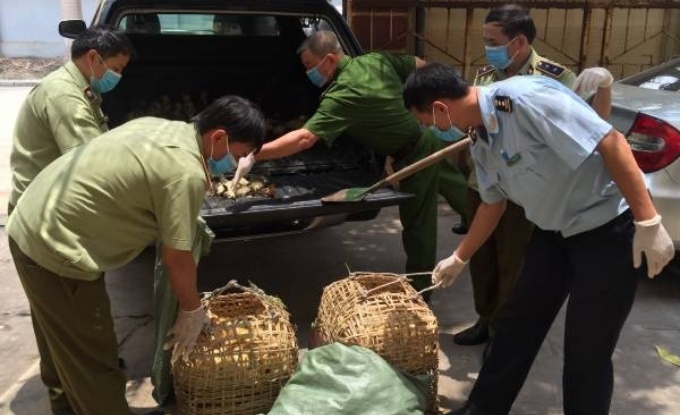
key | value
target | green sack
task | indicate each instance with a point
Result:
(165, 311)
(348, 380)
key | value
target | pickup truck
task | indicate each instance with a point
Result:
(190, 52)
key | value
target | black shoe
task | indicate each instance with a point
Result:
(477, 334)
(487, 349)
(468, 409)
(63, 412)
(459, 229)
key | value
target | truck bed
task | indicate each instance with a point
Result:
(175, 76)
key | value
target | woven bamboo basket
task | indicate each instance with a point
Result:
(240, 367)
(384, 313)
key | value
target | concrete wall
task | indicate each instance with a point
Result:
(29, 27)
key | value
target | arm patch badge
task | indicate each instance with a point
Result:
(502, 103)
(550, 69)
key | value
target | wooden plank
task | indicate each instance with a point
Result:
(585, 39)
(469, 21)
(381, 29)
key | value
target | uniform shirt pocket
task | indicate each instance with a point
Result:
(537, 179)
(523, 177)
(488, 185)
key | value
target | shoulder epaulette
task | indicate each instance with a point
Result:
(551, 69)
(502, 103)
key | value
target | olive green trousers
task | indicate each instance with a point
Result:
(497, 264)
(76, 340)
(48, 375)
(419, 215)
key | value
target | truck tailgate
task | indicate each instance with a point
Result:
(296, 196)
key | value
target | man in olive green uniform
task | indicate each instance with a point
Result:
(508, 33)
(363, 99)
(88, 212)
(61, 113)
(64, 110)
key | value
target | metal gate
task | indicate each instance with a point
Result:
(624, 35)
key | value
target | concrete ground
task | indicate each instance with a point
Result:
(296, 268)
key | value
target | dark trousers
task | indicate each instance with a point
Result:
(76, 340)
(496, 265)
(48, 374)
(595, 270)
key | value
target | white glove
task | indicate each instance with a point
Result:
(245, 165)
(652, 239)
(592, 78)
(447, 270)
(183, 334)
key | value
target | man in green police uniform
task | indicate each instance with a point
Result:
(64, 110)
(508, 33)
(363, 99)
(89, 212)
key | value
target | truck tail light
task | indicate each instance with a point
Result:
(655, 143)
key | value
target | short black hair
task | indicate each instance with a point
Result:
(106, 41)
(432, 82)
(239, 117)
(513, 21)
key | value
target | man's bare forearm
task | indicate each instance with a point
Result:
(287, 145)
(602, 102)
(181, 269)
(623, 169)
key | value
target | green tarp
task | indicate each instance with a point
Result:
(349, 380)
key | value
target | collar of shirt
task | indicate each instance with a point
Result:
(530, 65)
(199, 144)
(489, 116)
(199, 141)
(80, 79)
(77, 76)
(344, 61)
(527, 68)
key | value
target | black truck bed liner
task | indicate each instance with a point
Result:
(175, 76)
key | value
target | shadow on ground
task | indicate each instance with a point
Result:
(296, 268)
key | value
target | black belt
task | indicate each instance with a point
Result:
(405, 150)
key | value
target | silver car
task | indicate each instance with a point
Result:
(646, 109)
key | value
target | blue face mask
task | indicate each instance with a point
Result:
(315, 76)
(107, 82)
(223, 165)
(497, 56)
(449, 135)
